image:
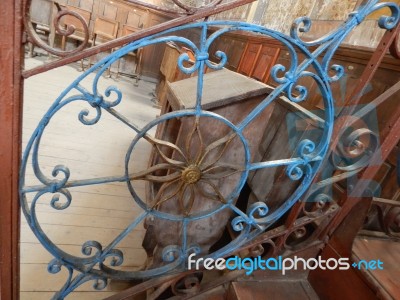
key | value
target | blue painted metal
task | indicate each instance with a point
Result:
(303, 167)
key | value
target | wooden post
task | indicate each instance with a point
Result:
(11, 52)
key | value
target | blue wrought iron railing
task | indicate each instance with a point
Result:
(185, 172)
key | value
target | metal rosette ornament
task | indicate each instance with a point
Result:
(189, 176)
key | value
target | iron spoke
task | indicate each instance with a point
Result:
(218, 195)
(161, 191)
(226, 140)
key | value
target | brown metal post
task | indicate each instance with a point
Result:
(10, 143)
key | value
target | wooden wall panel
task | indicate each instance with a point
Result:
(265, 61)
(86, 4)
(249, 58)
(137, 18)
(153, 55)
(231, 44)
(110, 11)
(41, 12)
(236, 50)
(74, 2)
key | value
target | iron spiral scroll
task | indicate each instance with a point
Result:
(187, 171)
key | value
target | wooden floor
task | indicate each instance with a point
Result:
(388, 252)
(97, 212)
(288, 289)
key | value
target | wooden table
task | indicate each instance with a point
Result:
(222, 89)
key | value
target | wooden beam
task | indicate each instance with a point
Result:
(10, 136)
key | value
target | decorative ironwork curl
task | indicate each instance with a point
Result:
(388, 216)
(318, 205)
(34, 38)
(391, 222)
(299, 236)
(188, 168)
(257, 250)
(353, 152)
(188, 285)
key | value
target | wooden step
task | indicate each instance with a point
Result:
(384, 282)
(273, 289)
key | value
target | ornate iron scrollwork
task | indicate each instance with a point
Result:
(66, 32)
(189, 170)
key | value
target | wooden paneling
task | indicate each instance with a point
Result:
(122, 12)
(73, 2)
(236, 51)
(258, 59)
(232, 45)
(86, 4)
(133, 15)
(247, 54)
(153, 55)
(119, 11)
(110, 11)
(249, 58)
(71, 20)
(266, 59)
(106, 28)
(137, 18)
(41, 12)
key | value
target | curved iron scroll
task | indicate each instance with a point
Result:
(34, 38)
(188, 169)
